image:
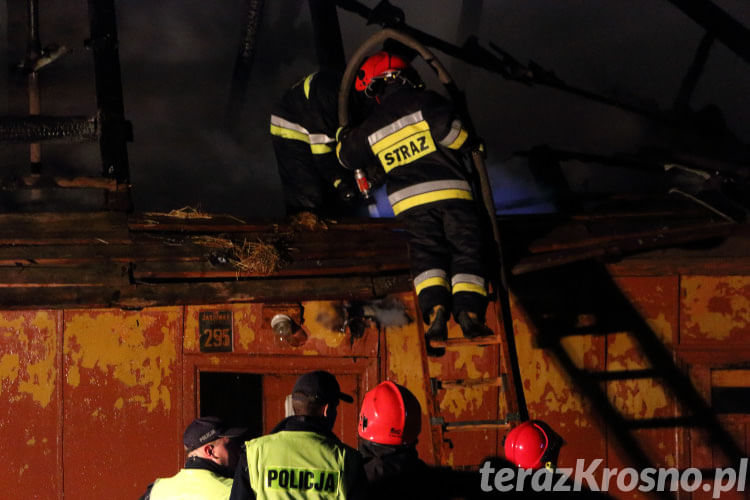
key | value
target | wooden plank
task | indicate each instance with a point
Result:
(91, 276)
(144, 271)
(219, 223)
(77, 255)
(622, 245)
(577, 236)
(164, 294)
(70, 228)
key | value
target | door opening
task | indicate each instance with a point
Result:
(235, 397)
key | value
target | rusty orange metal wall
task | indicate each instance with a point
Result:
(122, 399)
(98, 399)
(30, 348)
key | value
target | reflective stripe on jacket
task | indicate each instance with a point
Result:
(418, 140)
(192, 484)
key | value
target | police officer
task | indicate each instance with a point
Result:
(417, 139)
(303, 130)
(212, 455)
(301, 457)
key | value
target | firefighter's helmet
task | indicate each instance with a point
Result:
(390, 415)
(379, 66)
(526, 445)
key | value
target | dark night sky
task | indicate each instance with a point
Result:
(177, 58)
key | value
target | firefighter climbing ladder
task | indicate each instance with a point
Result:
(512, 405)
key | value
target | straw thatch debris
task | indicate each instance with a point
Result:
(186, 212)
(250, 257)
(308, 221)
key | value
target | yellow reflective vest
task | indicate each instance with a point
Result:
(302, 464)
(192, 484)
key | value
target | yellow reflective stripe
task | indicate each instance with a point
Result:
(320, 149)
(306, 85)
(436, 281)
(459, 140)
(431, 197)
(399, 135)
(288, 133)
(469, 287)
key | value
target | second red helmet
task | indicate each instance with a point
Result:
(378, 65)
(390, 415)
(526, 444)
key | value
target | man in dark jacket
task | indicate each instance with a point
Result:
(389, 424)
(417, 139)
(212, 455)
(301, 456)
(303, 131)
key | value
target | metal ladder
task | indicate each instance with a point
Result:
(511, 404)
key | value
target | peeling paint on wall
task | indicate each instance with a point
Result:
(319, 329)
(405, 359)
(545, 385)
(715, 308)
(115, 345)
(459, 400)
(244, 318)
(33, 366)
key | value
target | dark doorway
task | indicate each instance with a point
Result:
(235, 397)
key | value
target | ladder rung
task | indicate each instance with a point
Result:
(480, 341)
(470, 425)
(438, 384)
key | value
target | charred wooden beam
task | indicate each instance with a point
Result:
(327, 34)
(243, 63)
(717, 22)
(43, 181)
(36, 129)
(170, 294)
(101, 228)
(566, 253)
(115, 130)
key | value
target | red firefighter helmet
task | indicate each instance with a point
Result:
(526, 444)
(379, 65)
(390, 415)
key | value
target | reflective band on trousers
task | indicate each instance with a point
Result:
(319, 143)
(456, 136)
(429, 192)
(465, 282)
(431, 277)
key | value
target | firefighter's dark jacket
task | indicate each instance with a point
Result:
(294, 435)
(417, 138)
(199, 474)
(397, 472)
(308, 113)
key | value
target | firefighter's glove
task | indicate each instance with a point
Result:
(341, 133)
(375, 174)
(478, 146)
(345, 190)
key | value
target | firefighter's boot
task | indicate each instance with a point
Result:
(471, 326)
(438, 330)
